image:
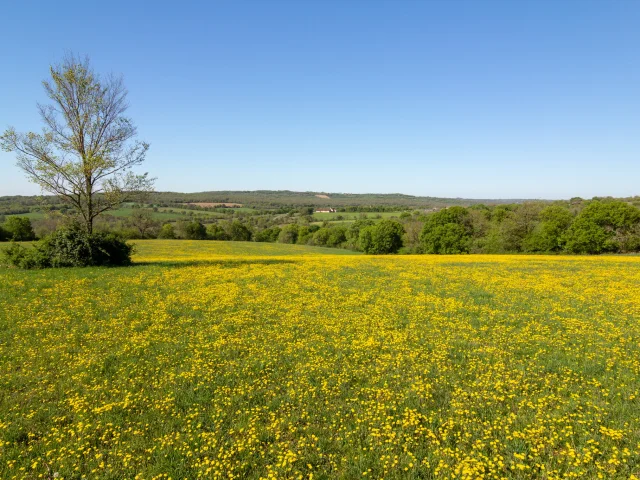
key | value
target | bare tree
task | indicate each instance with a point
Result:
(143, 221)
(86, 151)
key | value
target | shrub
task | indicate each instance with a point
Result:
(19, 229)
(321, 236)
(289, 234)
(383, 238)
(167, 231)
(239, 232)
(72, 247)
(448, 231)
(26, 258)
(3, 234)
(337, 236)
(449, 238)
(195, 231)
(216, 232)
(304, 235)
(547, 236)
(268, 235)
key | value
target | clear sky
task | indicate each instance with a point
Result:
(479, 99)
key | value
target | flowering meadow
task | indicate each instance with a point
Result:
(244, 360)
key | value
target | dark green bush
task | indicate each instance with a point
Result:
(448, 231)
(383, 238)
(19, 229)
(288, 234)
(268, 235)
(26, 258)
(71, 247)
(167, 231)
(195, 231)
(216, 232)
(239, 232)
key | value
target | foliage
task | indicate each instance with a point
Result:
(167, 232)
(194, 231)
(518, 225)
(268, 235)
(353, 233)
(448, 231)
(382, 238)
(238, 232)
(19, 229)
(449, 238)
(217, 232)
(288, 234)
(539, 227)
(71, 247)
(305, 233)
(547, 236)
(142, 220)
(600, 226)
(86, 151)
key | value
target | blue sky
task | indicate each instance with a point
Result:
(479, 99)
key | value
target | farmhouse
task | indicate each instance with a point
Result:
(326, 210)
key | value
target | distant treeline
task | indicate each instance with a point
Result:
(267, 199)
(284, 198)
(582, 227)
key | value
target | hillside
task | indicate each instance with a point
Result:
(280, 198)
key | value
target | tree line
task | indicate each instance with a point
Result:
(588, 227)
(87, 152)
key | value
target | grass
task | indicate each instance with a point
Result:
(168, 214)
(353, 216)
(224, 359)
(173, 251)
(30, 215)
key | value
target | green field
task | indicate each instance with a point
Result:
(353, 215)
(169, 214)
(244, 360)
(163, 214)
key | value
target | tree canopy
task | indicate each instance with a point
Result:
(87, 149)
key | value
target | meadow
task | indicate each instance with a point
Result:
(244, 360)
(333, 216)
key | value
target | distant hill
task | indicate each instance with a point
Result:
(280, 198)
(284, 199)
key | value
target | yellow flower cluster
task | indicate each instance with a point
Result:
(237, 360)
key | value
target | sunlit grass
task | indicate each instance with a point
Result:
(225, 359)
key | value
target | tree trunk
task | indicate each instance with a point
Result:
(89, 188)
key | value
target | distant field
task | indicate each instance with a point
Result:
(167, 215)
(353, 216)
(194, 250)
(335, 222)
(244, 360)
(211, 204)
(31, 215)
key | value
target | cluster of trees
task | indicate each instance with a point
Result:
(596, 227)
(592, 227)
(364, 235)
(18, 229)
